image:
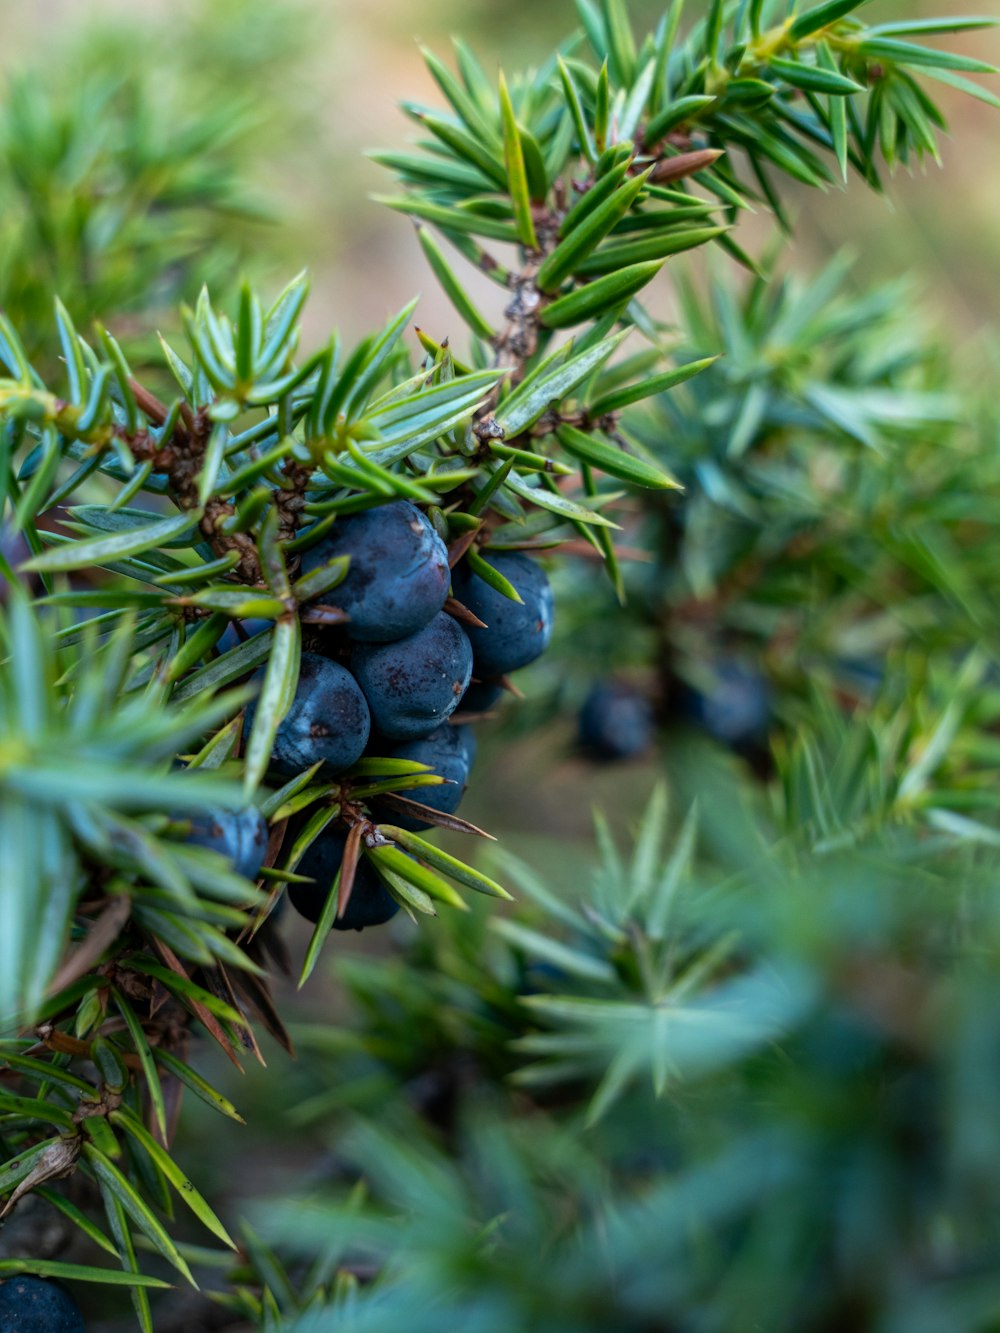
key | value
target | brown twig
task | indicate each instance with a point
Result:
(205, 1016)
(102, 934)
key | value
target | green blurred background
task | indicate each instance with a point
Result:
(323, 80)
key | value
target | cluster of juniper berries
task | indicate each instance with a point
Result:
(392, 682)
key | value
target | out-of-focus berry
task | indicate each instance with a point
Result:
(239, 835)
(616, 721)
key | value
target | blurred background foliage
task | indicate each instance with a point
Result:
(830, 1158)
(321, 84)
(138, 161)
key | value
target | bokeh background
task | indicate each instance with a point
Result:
(323, 81)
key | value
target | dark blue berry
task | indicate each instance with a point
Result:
(398, 576)
(449, 753)
(232, 638)
(415, 684)
(616, 721)
(541, 978)
(863, 675)
(328, 720)
(480, 697)
(731, 701)
(516, 634)
(30, 1305)
(371, 903)
(239, 835)
(471, 744)
(15, 550)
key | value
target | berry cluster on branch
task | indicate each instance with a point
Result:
(168, 768)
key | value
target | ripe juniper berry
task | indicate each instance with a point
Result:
(328, 720)
(516, 634)
(398, 576)
(371, 903)
(415, 684)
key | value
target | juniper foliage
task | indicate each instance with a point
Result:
(160, 503)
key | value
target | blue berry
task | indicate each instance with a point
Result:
(240, 835)
(231, 637)
(732, 704)
(415, 684)
(616, 721)
(328, 720)
(471, 744)
(14, 549)
(480, 697)
(864, 675)
(371, 903)
(515, 634)
(398, 576)
(449, 753)
(541, 979)
(30, 1305)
